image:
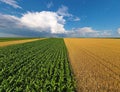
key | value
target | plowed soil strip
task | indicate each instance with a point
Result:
(96, 68)
(2, 44)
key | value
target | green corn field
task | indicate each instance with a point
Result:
(39, 66)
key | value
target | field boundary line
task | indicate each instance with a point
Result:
(8, 43)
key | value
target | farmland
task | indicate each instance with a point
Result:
(39, 66)
(96, 64)
(4, 39)
(15, 41)
(57, 65)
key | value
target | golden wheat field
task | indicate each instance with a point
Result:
(95, 64)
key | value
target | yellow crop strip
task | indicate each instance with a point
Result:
(7, 43)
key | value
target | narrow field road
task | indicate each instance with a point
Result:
(95, 63)
(7, 43)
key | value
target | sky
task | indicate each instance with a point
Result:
(59, 18)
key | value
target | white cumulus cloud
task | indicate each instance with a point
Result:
(83, 32)
(87, 32)
(12, 3)
(44, 21)
(118, 30)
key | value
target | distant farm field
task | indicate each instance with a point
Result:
(4, 39)
(19, 41)
(96, 64)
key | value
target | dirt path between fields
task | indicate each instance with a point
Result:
(2, 44)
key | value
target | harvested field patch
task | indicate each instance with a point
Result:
(96, 64)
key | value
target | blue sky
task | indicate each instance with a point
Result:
(60, 18)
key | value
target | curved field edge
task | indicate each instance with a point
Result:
(4, 39)
(40, 66)
(8, 43)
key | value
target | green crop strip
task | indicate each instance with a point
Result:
(39, 66)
